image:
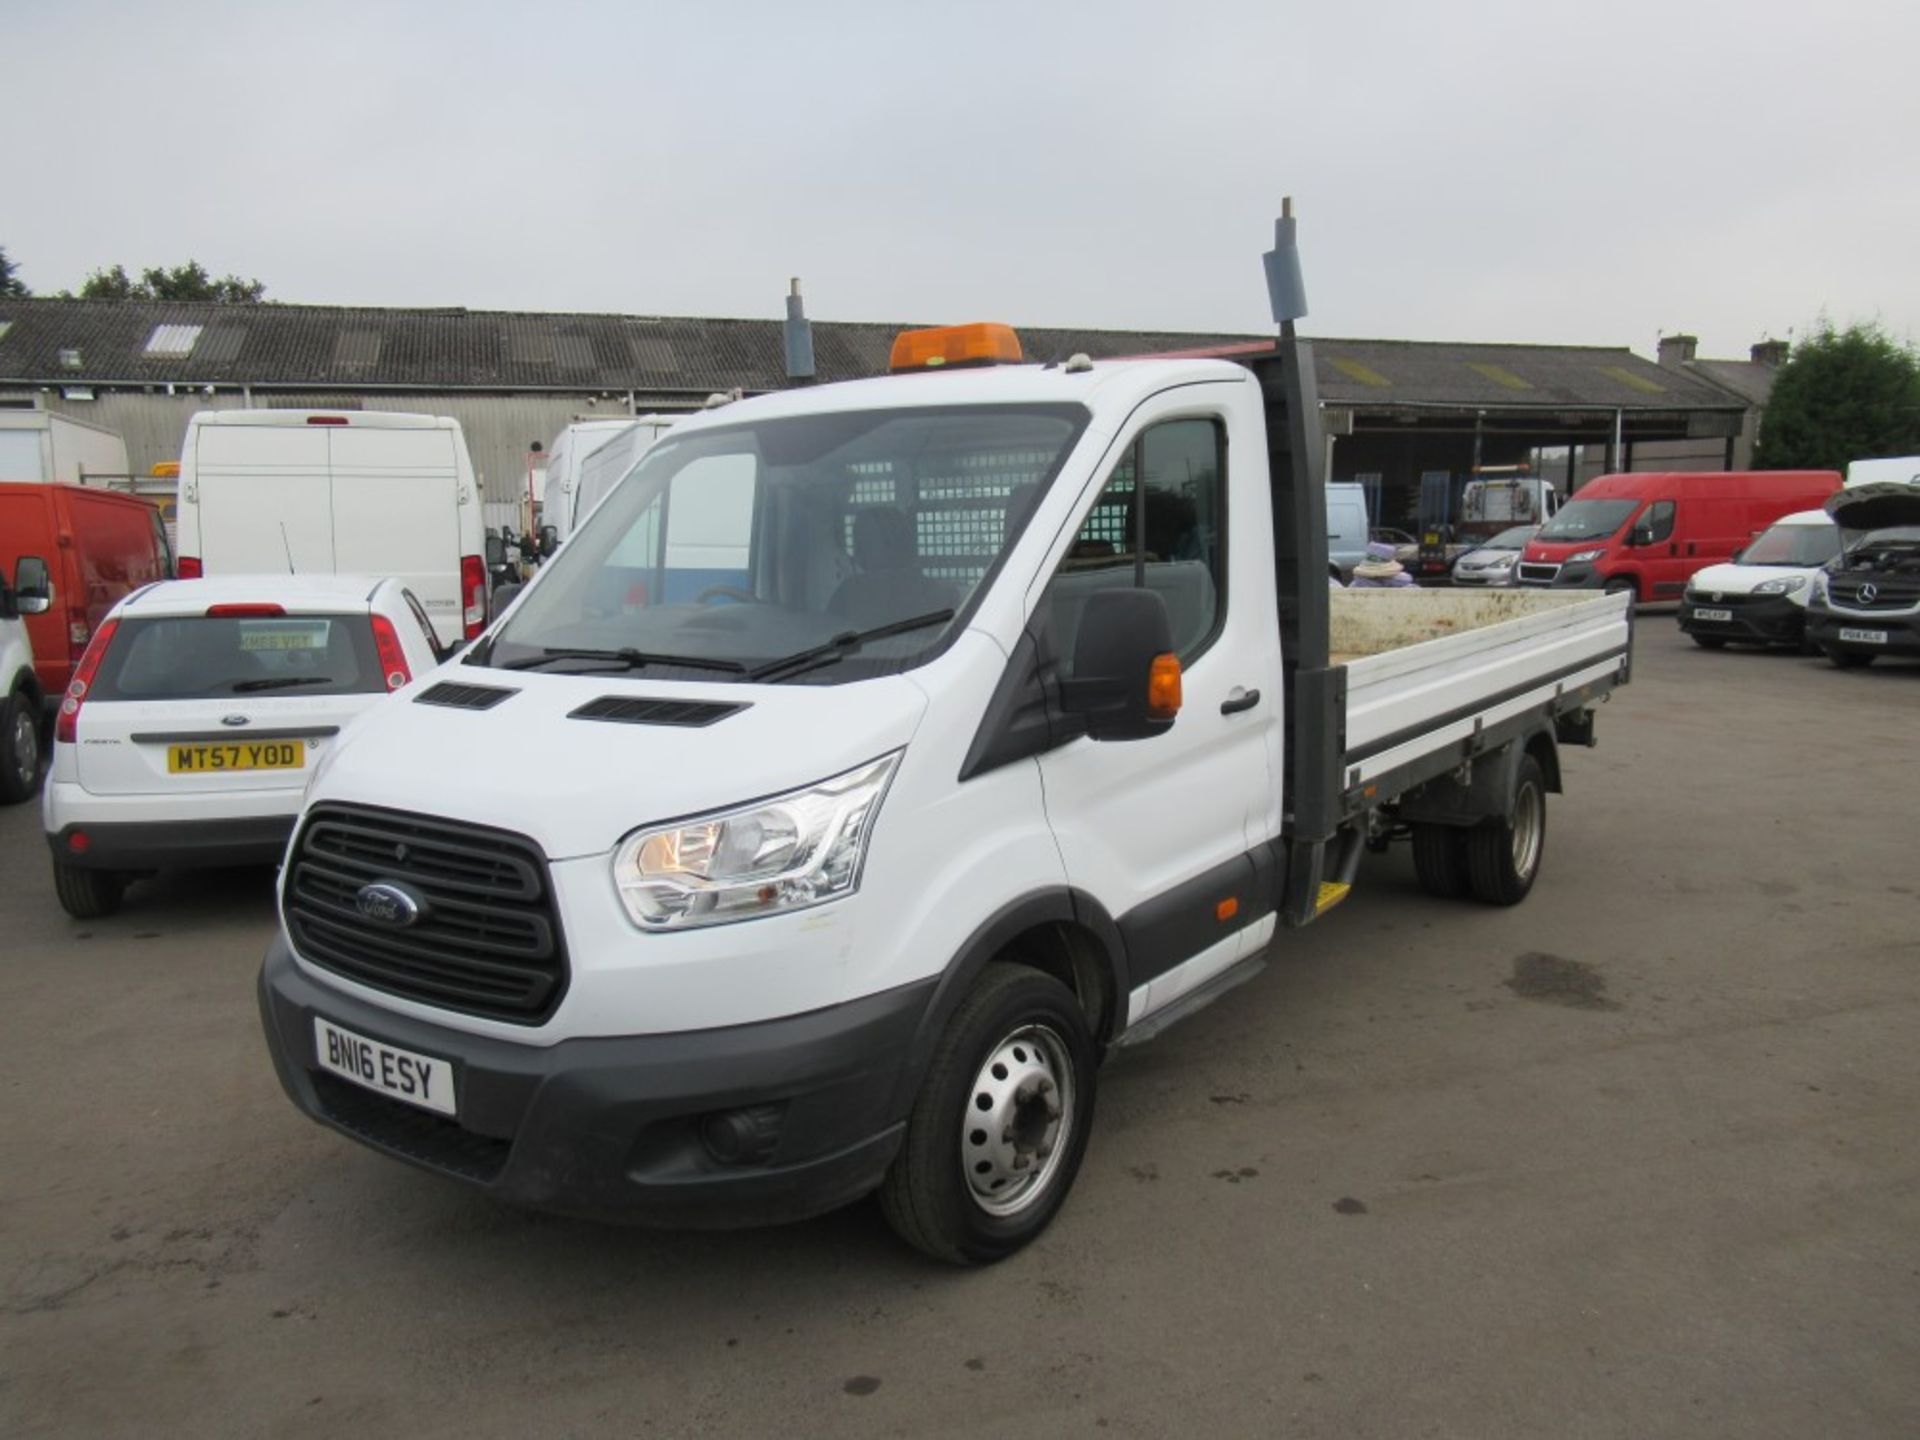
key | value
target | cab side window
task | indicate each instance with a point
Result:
(1159, 523)
(1657, 523)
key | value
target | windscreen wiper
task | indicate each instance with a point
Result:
(282, 682)
(628, 658)
(841, 646)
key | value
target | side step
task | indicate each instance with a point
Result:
(1232, 978)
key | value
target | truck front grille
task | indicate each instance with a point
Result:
(1890, 592)
(487, 939)
(1538, 574)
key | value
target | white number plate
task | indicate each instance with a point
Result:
(1865, 637)
(1726, 615)
(417, 1079)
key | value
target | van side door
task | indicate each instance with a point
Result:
(1169, 833)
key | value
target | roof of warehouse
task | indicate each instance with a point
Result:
(103, 342)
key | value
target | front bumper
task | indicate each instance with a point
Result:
(172, 844)
(1768, 619)
(1902, 631)
(611, 1128)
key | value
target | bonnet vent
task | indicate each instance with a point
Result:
(463, 697)
(639, 710)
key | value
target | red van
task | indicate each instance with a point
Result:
(1649, 532)
(98, 545)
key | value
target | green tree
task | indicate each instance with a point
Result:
(1843, 395)
(10, 281)
(188, 281)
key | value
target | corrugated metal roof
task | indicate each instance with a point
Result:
(273, 346)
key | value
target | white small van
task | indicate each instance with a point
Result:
(321, 492)
(588, 460)
(1759, 597)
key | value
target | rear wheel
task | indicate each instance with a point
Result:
(1440, 859)
(23, 754)
(1710, 642)
(997, 1131)
(1503, 854)
(88, 894)
(1849, 659)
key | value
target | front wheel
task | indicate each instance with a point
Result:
(998, 1129)
(1849, 659)
(1623, 585)
(23, 754)
(1710, 642)
(1503, 854)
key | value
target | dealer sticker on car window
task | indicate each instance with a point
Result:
(422, 1080)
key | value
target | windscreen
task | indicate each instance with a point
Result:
(726, 551)
(1793, 545)
(1514, 538)
(1588, 520)
(188, 657)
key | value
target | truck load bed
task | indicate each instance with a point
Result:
(1428, 670)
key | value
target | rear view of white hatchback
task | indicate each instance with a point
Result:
(198, 712)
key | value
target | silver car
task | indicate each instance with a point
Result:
(1491, 562)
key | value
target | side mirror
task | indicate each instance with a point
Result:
(1642, 535)
(496, 551)
(32, 591)
(1126, 678)
(549, 536)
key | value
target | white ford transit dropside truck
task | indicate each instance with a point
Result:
(991, 717)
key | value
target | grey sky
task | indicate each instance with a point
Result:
(1490, 169)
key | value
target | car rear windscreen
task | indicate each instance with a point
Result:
(186, 657)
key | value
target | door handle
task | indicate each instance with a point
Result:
(1238, 700)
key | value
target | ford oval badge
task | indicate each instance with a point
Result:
(388, 904)
(234, 720)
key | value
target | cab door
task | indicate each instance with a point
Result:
(1168, 833)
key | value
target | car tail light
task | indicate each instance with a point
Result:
(64, 727)
(187, 567)
(78, 633)
(473, 594)
(393, 659)
(243, 612)
(326, 420)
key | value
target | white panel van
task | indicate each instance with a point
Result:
(329, 492)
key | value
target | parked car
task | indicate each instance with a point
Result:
(1491, 562)
(98, 546)
(839, 875)
(1866, 602)
(1645, 533)
(1760, 595)
(360, 492)
(200, 711)
(23, 714)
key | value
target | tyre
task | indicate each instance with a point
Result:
(88, 894)
(1440, 859)
(1849, 659)
(22, 756)
(1621, 585)
(1503, 855)
(1710, 642)
(996, 1133)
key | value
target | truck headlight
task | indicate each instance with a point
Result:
(1785, 585)
(1580, 557)
(785, 853)
(1819, 591)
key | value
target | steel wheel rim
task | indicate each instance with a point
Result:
(1017, 1121)
(26, 747)
(1526, 830)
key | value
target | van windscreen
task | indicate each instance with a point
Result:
(185, 657)
(1588, 520)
